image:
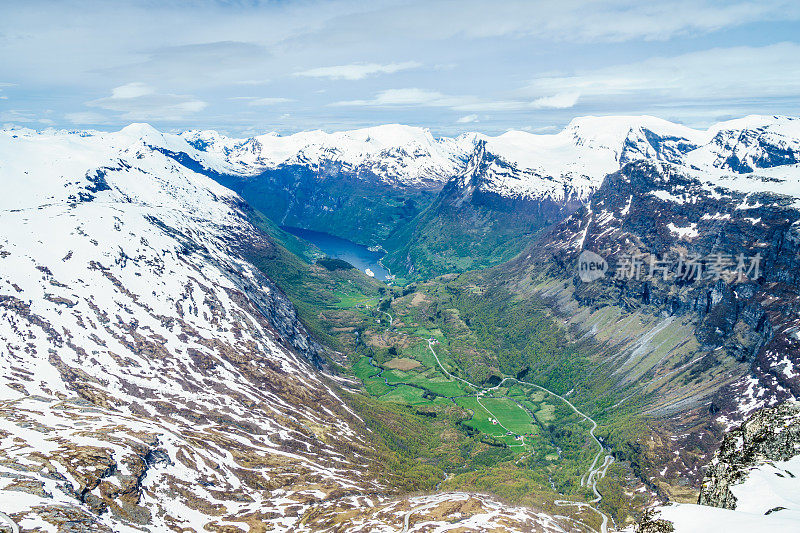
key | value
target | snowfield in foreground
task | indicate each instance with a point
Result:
(768, 500)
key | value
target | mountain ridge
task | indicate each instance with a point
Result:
(367, 185)
(518, 147)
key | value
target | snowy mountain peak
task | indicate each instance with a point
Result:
(610, 132)
(586, 150)
(141, 130)
(391, 135)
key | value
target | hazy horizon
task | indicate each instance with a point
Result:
(248, 67)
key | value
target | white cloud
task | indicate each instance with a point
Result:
(719, 74)
(413, 97)
(475, 104)
(86, 117)
(558, 101)
(268, 101)
(131, 90)
(407, 97)
(466, 119)
(579, 21)
(138, 101)
(27, 117)
(476, 55)
(357, 71)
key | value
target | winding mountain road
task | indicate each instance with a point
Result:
(592, 476)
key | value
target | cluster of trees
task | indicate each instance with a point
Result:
(331, 263)
(403, 440)
(525, 339)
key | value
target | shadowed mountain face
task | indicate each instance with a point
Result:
(333, 200)
(361, 185)
(699, 308)
(471, 225)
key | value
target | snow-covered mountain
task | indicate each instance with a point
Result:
(573, 163)
(528, 165)
(395, 154)
(154, 380)
(149, 374)
(753, 483)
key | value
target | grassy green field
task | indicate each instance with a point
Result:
(511, 415)
(498, 417)
(405, 394)
(431, 380)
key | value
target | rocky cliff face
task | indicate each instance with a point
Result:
(707, 348)
(771, 434)
(674, 242)
(660, 214)
(752, 483)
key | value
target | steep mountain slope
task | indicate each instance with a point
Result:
(151, 376)
(366, 184)
(681, 317)
(471, 224)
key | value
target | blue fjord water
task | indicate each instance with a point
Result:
(355, 254)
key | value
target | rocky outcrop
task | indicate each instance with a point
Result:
(650, 523)
(771, 434)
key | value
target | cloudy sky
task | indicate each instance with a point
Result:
(247, 67)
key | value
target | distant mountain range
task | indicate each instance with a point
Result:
(386, 185)
(526, 165)
(395, 185)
